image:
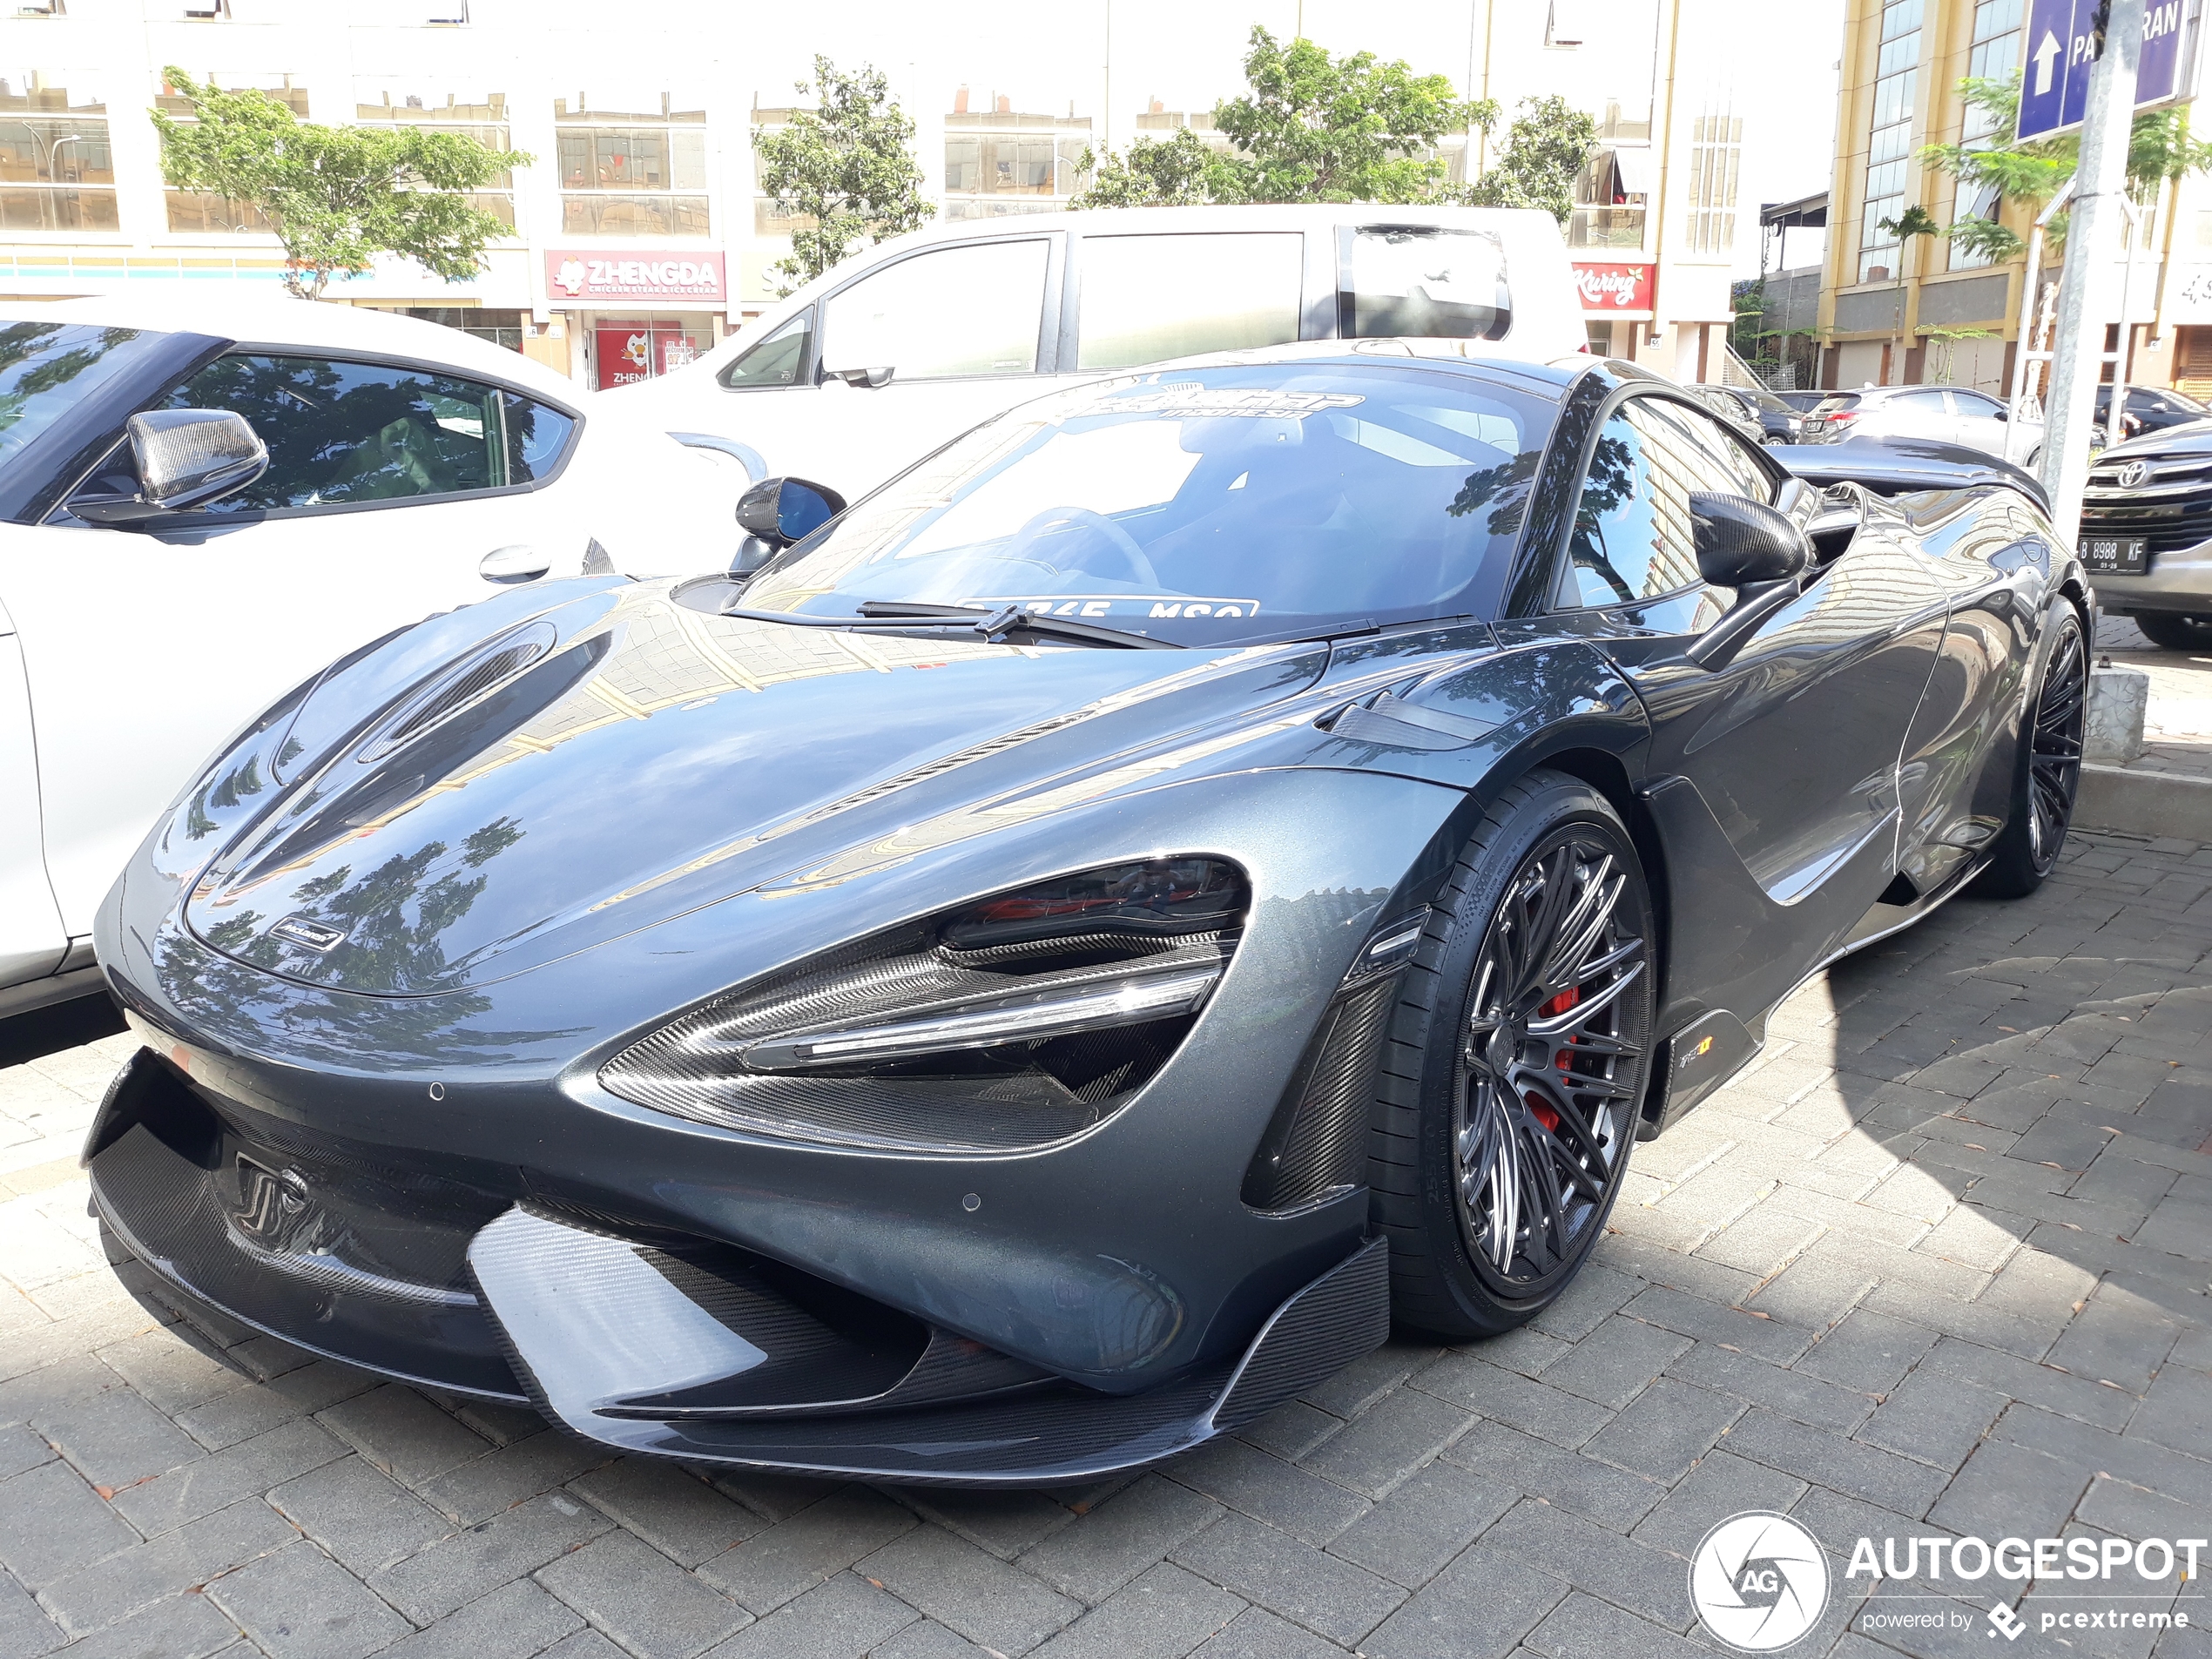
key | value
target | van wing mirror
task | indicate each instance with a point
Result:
(185, 458)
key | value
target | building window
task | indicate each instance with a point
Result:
(1004, 160)
(1993, 56)
(501, 327)
(485, 120)
(1716, 152)
(197, 212)
(631, 173)
(56, 173)
(1889, 160)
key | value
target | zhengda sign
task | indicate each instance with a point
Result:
(1615, 286)
(584, 273)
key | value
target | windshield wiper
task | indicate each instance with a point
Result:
(1013, 619)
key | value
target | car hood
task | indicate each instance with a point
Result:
(2193, 439)
(651, 758)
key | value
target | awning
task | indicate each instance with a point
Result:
(1636, 170)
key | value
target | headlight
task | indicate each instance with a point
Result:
(1009, 1022)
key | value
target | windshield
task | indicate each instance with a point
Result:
(1205, 506)
(45, 368)
(1830, 404)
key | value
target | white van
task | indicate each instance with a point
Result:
(905, 345)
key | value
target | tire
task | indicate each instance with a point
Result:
(2047, 769)
(1469, 1155)
(2175, 630)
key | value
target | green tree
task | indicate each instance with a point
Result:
(1152, 172)
(1547, 148)
(844, 172)
(1314, 128)
(336, 197)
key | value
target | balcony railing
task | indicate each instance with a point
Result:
(1606, 227)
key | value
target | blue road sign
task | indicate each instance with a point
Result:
(2060, 48)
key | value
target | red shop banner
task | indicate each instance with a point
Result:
(584, 273)
(1615, 286)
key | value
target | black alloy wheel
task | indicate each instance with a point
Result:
(2049, 768)
(2177, 629)
(1519, 1061)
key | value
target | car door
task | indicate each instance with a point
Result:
(1980, 420)
(32, 938)
(143, 647)
(963, 332)
(1790, 743)
(1919, 412)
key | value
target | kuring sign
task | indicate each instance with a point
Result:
(572, 273)
(1613, 287)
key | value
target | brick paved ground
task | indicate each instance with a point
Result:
(1938, 1265)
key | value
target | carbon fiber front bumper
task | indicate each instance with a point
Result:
(644, 1339)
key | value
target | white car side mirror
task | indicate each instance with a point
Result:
(519, 562)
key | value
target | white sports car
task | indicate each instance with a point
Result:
(203, 502)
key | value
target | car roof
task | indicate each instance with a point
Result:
(1464, 356)
(276, 320)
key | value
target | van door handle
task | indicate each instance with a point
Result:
(519, 562)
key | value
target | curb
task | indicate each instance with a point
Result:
(2149, 804)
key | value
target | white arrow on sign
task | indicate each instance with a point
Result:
(2044, 54)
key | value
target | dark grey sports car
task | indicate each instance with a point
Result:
(1042, 969)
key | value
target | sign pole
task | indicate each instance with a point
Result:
(2087, 296)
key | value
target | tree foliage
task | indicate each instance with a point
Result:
(338, 195)
(1152, 172)
(2159, 148)
(1547, 148)
(845, 173)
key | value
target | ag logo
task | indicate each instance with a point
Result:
(1759, 1581)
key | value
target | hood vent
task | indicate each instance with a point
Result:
(467, 683)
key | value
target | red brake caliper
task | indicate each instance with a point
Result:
(1547, 1116)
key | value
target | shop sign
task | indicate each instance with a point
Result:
(1614, 286)
(579, 274)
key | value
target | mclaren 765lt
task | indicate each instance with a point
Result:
(1041, 966)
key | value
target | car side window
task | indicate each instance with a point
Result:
(952, 312)
(1924, 402)
(1631, 538)
(1975, 404)
(341, 433)
(777, 361)
(1148, 298)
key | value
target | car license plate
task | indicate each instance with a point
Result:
(2116, 555)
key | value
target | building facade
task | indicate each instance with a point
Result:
(640, 236)
(1922, 308)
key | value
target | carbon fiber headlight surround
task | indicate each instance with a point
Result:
(1005, 1024)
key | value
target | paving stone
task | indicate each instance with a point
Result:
(1597, 1292)
(1583, 1627)
(1005, 1523)
(1666, 1429)
(1290, 1431)
(21, 1447)
(1722, 1484)
(1614, 1362)
(1584, 1485)
(1411, 1534)
(520, 1469)
(191, 1555)
(24, 1630)
(2006, 1489)
(586, 1644)
(51, 1523)
(1696, 1316)
(842, 1618)
(115, 1438)
(1764, 1242)
(1478, 1607)
(1098, 1553)
(300, 1604)
(2142, 1461)
(1329, 1596)
(172, 1369)
(2041, 1386)
(403, 1433)
(1398, 1434)
(244, 1413)
(1507, 1397)
(641, 1599)
(1367, 1378)
(211, 1483)
(1933, 1417)
(669, 1508)
(183, 1626)
(1255, 1634)
(819, 1541)
(1856, 1470)
(1810, 1399)
(1278, 1493)
(969, 1590)
(514, 1622)
(1594, 1558)
(1165, 1613)
(2177, 1410)
(359, 1514)
(429, 1585)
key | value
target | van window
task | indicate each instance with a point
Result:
(1411, 279)
(1148, 298)
(777, 361)
(972, 310)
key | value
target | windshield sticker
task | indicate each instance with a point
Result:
(1201, 402)
(1086, 607)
